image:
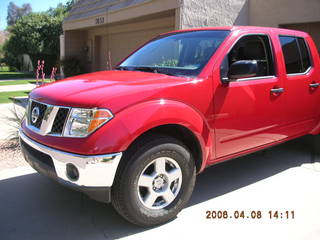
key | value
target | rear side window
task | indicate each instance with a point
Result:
(296, 54)
(305, 57)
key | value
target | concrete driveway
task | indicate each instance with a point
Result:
(283, 178)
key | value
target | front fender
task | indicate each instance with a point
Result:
(135, 120)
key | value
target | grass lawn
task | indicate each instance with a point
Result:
(19, 82)
(4, 69)
(15, 75)
(5, 96)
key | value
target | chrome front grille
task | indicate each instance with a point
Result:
(46, 119)
(59, 121)
(42, 109)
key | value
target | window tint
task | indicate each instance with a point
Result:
(296, 54)
(291, 54)
(305, 57)
(252, 47)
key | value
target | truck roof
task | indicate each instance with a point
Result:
(248, 28)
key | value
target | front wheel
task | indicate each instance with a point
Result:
(155, 183)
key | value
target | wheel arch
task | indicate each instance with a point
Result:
(179, 132)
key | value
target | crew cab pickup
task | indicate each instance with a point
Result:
(136, 136)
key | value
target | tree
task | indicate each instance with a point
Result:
(61, 10)
(38, 36)
(15, 12)
(1, 53)
(9, 59)
(70, 4)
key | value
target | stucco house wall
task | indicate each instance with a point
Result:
(273, 13)
(204, 13)
(293, 14)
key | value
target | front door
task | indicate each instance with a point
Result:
(248, 112)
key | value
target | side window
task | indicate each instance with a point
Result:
(305, 57)
(251, 47)
(296, 54)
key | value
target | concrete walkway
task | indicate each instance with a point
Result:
(13, 88)
(6, 80)
(7, 126)
(283, 178)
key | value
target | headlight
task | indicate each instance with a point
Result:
(81, 122)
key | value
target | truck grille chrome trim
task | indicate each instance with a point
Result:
(46, 119)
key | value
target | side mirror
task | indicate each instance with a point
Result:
(243, 69)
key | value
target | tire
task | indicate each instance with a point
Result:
(155, 183)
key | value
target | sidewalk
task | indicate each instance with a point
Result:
(13, 88)
(8, 80)
(7, 124)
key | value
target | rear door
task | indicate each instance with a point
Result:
(248, 112)
(301, 85)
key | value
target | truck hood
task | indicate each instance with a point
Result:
(114, 90)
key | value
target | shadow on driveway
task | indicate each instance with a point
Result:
(237, 173)
(33, 207)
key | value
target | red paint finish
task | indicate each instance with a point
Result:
(228, 120)
(247, 115)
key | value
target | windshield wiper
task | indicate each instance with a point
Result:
(134, 68)
(162, 71)
(154, 70)
(145, 69)
(122, 68)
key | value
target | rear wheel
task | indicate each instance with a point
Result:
(155, 183)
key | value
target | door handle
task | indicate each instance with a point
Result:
(277, 90)
(314, 85)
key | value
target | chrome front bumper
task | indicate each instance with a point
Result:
(94, 171)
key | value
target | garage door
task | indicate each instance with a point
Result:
(124, 39)
(122, 44)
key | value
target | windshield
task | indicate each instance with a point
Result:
(178, 54)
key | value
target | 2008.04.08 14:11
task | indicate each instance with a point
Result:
(279, 215)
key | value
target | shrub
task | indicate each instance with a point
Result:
(71, 66)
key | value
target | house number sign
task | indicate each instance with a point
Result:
(100, 20)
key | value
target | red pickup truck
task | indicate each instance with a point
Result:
(137, 136)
